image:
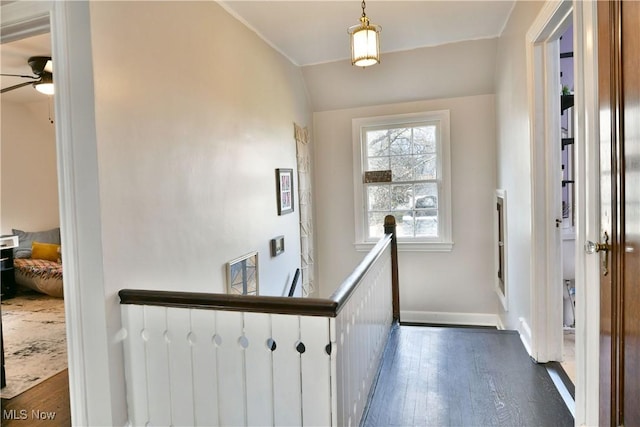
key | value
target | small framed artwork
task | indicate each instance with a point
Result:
(277, 246)
(242, 275)
(284, 181)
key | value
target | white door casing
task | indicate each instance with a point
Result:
(77, 163)
(546, 308)
(543, 56)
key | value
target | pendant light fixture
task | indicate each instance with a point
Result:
(365, 42)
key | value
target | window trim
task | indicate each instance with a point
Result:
(444, 243)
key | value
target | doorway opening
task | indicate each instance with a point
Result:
(87, 335)
(34, 333)
(547, 214)
(546, 279)
(553, 203)
(568, 245)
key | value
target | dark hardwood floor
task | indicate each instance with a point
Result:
(438, 376)
(45, 405)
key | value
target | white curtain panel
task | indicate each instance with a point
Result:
(303, 150)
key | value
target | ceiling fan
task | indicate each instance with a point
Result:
(42, 67)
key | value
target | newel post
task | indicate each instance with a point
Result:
(390, 228)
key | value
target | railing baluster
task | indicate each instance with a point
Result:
(180, 373)
(135, 367)
(316, 371)
(205, 367)
(230, 375)
(157, 364)
(259, 366)
(286, 371)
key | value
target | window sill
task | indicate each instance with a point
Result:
(410, 246)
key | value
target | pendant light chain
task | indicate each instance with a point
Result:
(363, 6)
(50, 108)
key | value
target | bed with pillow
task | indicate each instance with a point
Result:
(37, 263)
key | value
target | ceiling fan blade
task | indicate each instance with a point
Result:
(19, 75)
(17, 86)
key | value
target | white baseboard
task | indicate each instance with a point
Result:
(445, 318)
(525, 334)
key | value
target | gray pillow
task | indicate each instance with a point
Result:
(26, 238)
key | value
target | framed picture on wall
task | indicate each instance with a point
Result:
(284, 183)
(242, 275)
(277, 246)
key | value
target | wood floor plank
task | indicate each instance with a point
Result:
(438, 376)
(45, 405)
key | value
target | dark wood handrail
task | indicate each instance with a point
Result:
(326, 307)
(249, 303)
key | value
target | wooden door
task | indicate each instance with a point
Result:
(631, 215)
(607, 75)
(619, 94)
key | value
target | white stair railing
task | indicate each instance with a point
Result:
(225, 360)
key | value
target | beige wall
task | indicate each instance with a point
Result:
(193, 114)
(457, 76)
(29, 177)
(455, 286)
(446, 71)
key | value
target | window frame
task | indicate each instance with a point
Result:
(444, 241)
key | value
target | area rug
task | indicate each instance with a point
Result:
(34, 335)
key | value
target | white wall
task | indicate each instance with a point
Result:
(446, 71)
(193, 113)
(514, 161)
(447, 287)
(29, 177)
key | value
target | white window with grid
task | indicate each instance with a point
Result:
(415, 149)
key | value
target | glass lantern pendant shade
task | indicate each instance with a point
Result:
(365, 43)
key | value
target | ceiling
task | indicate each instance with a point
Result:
(313, 32)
